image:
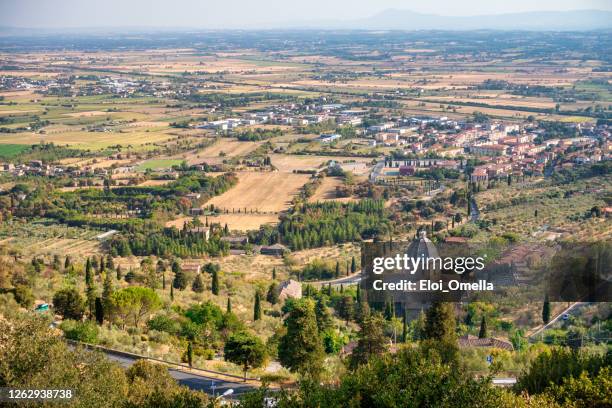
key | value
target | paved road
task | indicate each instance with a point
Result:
(345, 280)
(194, 381)
(572, 309)
(475, 212)
(376, 171)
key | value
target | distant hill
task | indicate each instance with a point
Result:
(394, 19)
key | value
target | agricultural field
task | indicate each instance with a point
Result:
(235, 222)
(41, 238)
(220, 149)
(261, 192)
(11, 150)
(536, 210)
(327, 191)
(158, 164)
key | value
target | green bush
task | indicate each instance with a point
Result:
(87, 332)
(23, 296)
(333, 341)
(558, 365)
(164, 323)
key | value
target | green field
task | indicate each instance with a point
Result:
(11, 150)
(158, 164)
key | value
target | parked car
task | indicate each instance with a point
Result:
(43, 307)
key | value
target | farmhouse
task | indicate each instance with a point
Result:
(275, 250)
(191, 266)
(237, 241)
(204, 231)
(196, 211)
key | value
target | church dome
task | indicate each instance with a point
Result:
(422, 247)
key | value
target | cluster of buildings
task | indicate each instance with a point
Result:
(515, 157)
(33, 168)
(66, 85)
(502, 148)
(290, 114)
(16, 83)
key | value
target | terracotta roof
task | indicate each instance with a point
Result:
(473, 341)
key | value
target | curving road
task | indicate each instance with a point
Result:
(572, 309)
(345, 280)
(194, 381)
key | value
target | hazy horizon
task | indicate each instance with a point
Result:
(236, 14)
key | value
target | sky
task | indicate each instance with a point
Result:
(248, 13)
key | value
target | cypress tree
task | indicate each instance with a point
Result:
(389, 313)
(337, 272)
(119, 272)
(190, 354)
(228, 308)
(88, 272)
(274, 273)
(353, 265)
(198, 285)
(272, 295)
(171, 292)
(257, 307)
(419, 326)
(107, 292)
(215, 282)
(324, 317)
(440, 322)
(484, 332)
(90, 294)
(405, 327)
(180, 280)
(346, 308)
(110, 264)
(469, 318)
(67, 262)
(546, 310)
(99, 311)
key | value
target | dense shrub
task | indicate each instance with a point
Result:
(86, 332)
